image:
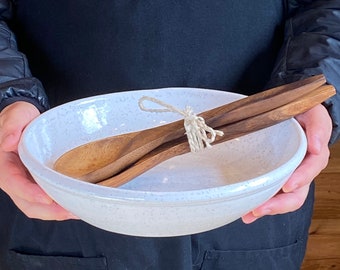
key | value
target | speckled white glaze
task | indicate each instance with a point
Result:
(184, 195)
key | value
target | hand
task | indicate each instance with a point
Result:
(318, 127)
(15, 180)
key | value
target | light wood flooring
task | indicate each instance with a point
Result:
(323, 250)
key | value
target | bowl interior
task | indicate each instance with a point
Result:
(259, 156)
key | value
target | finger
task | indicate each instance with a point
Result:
(280, 204)
(249, 218)
(26, 190)
(10, 138)
(25, 193)
(16, 181)
(51, 211)
(13, 119)
(310, 168)
(317, 125)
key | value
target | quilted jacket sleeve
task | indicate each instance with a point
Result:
(312, 46)
(16, 81)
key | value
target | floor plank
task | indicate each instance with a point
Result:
(323, 248)
(328, 264)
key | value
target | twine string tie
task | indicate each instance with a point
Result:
(199, 134)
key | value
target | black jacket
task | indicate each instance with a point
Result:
(311, 46)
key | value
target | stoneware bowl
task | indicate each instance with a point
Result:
(187, 194)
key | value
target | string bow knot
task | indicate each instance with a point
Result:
(196, 130)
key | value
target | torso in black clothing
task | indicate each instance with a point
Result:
(79, 48)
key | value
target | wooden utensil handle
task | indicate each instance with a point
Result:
(261, 102)
(181, 146)
(277, 115)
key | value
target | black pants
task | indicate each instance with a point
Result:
(270, 243)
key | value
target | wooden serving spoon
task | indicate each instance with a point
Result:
(101, 159)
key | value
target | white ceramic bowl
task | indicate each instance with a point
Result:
(184, 195)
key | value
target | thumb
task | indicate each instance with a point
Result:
(318, 127)
(13, 119)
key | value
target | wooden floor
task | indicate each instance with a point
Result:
(323, 250)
